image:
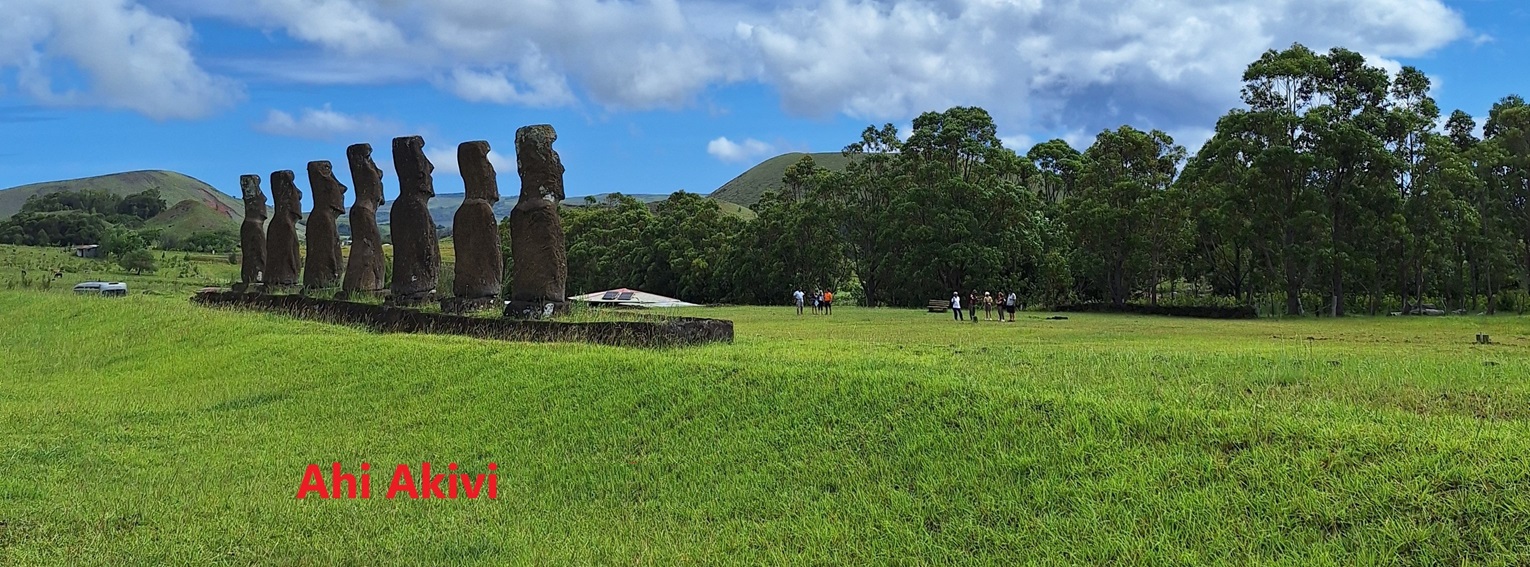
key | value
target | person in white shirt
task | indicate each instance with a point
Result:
(1009, 305)
(956, 305)
(798, 295)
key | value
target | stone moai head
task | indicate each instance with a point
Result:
(540, 167)
(254, 198)
(365, 174)
(328, 192)
(286, 195)
(413, 168)
(477, 171)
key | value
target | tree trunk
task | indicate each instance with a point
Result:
(1476, 281)
(1338, 290)
(1293, 297)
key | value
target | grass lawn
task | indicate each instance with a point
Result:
(145, 430)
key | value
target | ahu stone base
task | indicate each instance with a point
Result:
(649, 331)
(535, 309)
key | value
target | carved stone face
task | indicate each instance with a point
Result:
(365, 175)
(287, 195)
(328, 193)
(413, 168)
(477, 171)
(254, 198)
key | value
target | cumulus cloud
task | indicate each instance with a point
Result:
(1037, 65)
(1061, 64)
(325, 124)
(112, 53)
(730, 151)
(540, 86)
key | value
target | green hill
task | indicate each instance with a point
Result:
(747, 188)
(173, 187)
(191, 216)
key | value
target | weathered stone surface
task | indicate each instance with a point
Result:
(536, 231)
(283, 257)
(252, 233)
(416, 252)
(650, 331)
(364, 270)
(322, 267)
(479, 270)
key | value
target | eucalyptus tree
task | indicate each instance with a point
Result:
(1285, 199)
(866, 205)
(967, 218)
(1128, 226)
(1507, 135)
(1058, 167)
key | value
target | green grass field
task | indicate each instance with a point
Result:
(145, 430)
(178, 273)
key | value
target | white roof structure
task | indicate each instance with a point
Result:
(631, 297)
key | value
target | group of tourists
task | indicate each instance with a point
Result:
(989, 302)
(823, 302)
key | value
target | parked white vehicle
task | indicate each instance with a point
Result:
(101, 288)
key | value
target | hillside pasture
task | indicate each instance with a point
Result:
(149, 431)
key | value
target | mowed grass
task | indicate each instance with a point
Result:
(147, 431)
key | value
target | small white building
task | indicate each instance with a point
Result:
(630, 298)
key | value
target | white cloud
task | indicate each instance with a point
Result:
(445, 161)
(326, 124)
(729, 151)
(1037, 65)
(541, 87)
(112, 53)
(1054, 65)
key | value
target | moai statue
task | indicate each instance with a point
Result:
(252, 235)
(479, 270)
(536, 231)
(364, 270)
(416, 252)
(283, 257)
(322, 267)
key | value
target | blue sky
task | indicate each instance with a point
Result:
(655, 96)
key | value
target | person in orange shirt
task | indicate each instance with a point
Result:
(828, 303)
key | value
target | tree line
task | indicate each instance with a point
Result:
(1334, 188)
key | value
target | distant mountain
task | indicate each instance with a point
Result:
(747, 188)
(173, 187)
(192, 216)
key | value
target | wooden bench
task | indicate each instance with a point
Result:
(939, 305)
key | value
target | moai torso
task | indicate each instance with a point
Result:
(252, 232)
(416, 252)
(536, 230)
(322, 267)
(364, 270)
(283, 256)
(479, 269)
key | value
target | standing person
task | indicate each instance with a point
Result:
(817, 301)
(987, 306)
(828, 302)
(956, 305)
(972, 304)
(998, 303)
(798, 296)
(1009, 304)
